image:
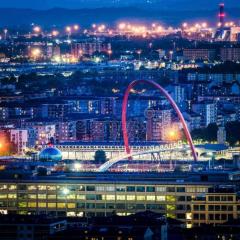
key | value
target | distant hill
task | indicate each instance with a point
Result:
(76, 4)
(61, 16)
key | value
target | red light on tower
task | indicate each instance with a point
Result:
(221, 14)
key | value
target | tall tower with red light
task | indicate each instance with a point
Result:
(221, 14)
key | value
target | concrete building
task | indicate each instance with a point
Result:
(208, 112)
(221, 135)
(230, 54)
(199, 54)
(89, 48)
(95, 194)
(158, 121)
(20, 139)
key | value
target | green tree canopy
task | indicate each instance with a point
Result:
(100, 157)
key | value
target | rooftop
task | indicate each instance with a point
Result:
(201, 178)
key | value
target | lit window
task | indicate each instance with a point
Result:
(130, 197)
(71, 214)
(121, 197)
(32, 196)
(22, 204)
(3, 196)
(42, 187)
(52, 196)
(71, 205)
(190, 189)
(42, 205)
(12, 196)
(32, 188)
(71, 196)
(32, 204)
(81, 197)
(150, 198)
(52, 205)
(171, 207)
(110, 197)
(170, 198)
(61, 205)
(51, 188)
(140, 198)
(3, 187)
(42, 196)
(161, 198)
(12, 187)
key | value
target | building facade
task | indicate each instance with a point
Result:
(105, 194)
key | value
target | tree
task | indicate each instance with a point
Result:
(100, 157)
(233, 132)
(42, 171)
(211, 132)
(208, 134)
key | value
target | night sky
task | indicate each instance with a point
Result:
(169, 4)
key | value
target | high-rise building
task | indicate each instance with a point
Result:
(230, 54)
(208, 112)
(20, 139)
(158, 121)
(89, 48)
(199, 54)
(221, 135)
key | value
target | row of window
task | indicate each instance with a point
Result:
(79, 205)
(213, 208)
(213, 217)
(220, 198)
(93, 197)
(101, 188)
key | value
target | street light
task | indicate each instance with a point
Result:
(76, 27)
(37, 29)
(65, 191)
(36, 52)
(139, 54)
(109, 54)
(69, 31)
(55, 33)
(5, 33)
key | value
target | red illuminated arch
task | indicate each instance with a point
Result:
(169, 98)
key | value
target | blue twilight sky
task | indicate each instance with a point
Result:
(169, 4)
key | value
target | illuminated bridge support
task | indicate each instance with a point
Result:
(171, 101)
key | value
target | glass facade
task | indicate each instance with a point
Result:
(95, 199)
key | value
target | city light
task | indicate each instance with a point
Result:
(122, 114)
(172, 134)
(76, 27)
(77, 166)
(37, 29)
(68, 29)
(36, 52)
(122, 26)
(65, 191)
(55, 33)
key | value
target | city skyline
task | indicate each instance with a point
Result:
(119, 120)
